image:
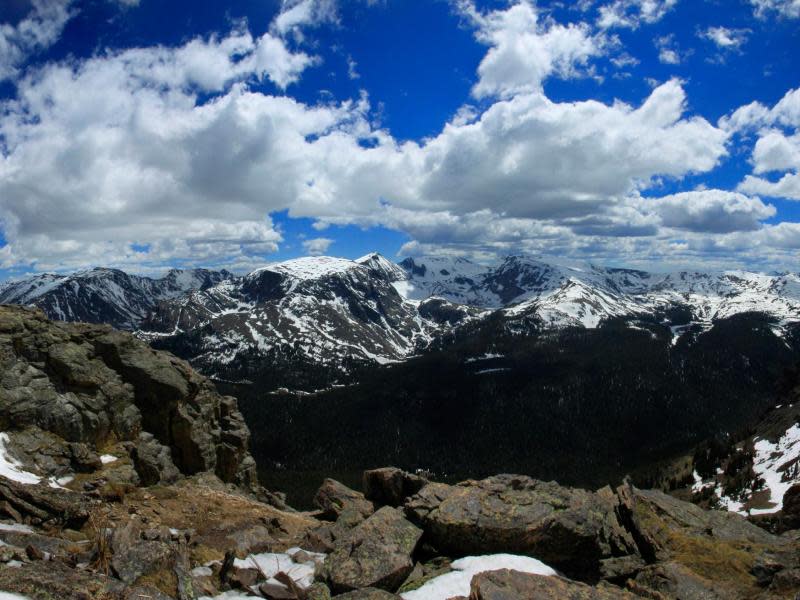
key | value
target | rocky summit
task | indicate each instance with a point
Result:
(124, 474)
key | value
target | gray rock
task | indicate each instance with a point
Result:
(376, 553)
(570, 529)
(333, 497)
(390, 486)
(513, 585)
(153, 461)
(87, 384)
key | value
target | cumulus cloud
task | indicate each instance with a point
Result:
(714, 211)
(633, 13)
(156, 155)
(777, 149)
(523, 51)
(36, 32)
(317, 246)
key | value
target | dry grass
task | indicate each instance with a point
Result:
(100, 528)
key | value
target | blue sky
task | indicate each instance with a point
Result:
(650, 133)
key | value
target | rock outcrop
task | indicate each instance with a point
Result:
(377, 553)
(81, 389)
(513, 585)
(570, 529)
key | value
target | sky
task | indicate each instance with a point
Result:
(144, 134)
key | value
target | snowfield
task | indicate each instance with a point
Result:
(457, 582)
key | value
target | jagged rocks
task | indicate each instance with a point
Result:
(92, 386)
(51, 579)
(376, 553)
(42, 505)
(390, 486)
(513, 585)
(694, 549)
(569, 529)
(790, 517)
(153, 461)
(333, 498)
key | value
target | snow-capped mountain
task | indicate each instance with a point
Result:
(105, 295)
(331, 310)
(584, 294)
(323, 309)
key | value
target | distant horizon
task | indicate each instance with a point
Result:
(163, 271)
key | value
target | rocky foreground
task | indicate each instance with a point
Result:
(124, 474)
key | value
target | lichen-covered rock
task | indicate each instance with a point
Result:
(572, 530)
(698, 553)
(91, 385)
(376, 553)
(514, 585)
(333, 497)
(390, 486)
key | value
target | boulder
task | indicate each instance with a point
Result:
(53, 579)
(672, 580)
(790, 515)
(153, 461)
(696, 553)
(514, 585)
(323, 538)
(376, 553)
(390, 486)
(89, 384)
(41, 504)
(333, 497)
(318, 591)
(572, 530)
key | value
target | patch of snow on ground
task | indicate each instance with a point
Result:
(699, 485)
(273, 563)
(16, 527)
(108, 459)
(10, 596)
(767, 464)
(11, 468)
(457, 582)
(497, 370)
(487, 356)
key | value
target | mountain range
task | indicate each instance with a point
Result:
(339, 313)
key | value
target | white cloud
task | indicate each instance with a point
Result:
(633, 13)
(668, 52)
(787, 186)
(726, 38)
(786, 8)
(36, 32)
(777, 149)
(714, 211)
(297, 14)
(157, 155)
(317, 246)
(523, 51)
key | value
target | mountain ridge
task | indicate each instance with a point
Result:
(336, 311)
